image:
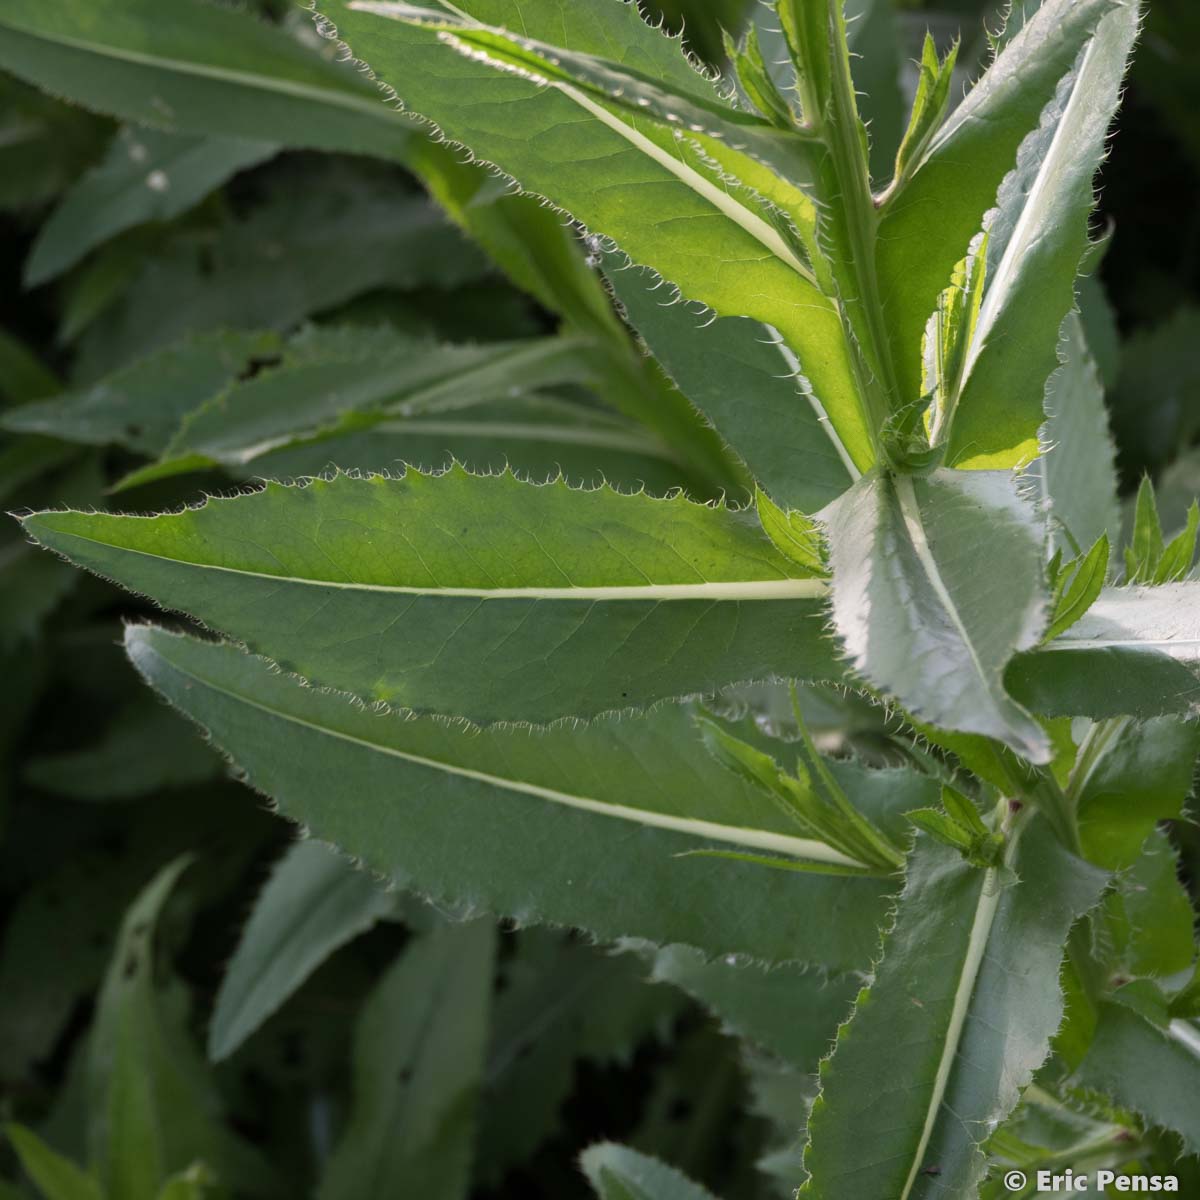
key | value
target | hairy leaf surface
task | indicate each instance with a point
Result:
(570, 826)
(929, 220)
(936, 585)
(958, 1018)
(479, 597)
(746, 380)
(661, 199)
(1038, 236)
(197, 68)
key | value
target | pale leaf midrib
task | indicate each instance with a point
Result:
(1022, 237)
(981, 929)
(910, 512)
(261, 83)
(736, 590)
(758, 839)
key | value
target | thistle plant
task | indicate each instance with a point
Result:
(592, 706)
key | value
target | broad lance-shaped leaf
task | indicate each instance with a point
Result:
(1038, 235)
(791, 1010)
(959, 1016)
(1076, 473)
(783, 434)
(1151, 1069)
(349, 379)
(662, 202)
(145, 176)
(151, 1107)
(929, 219)
(314, 902)
(571, 826)
(619, 1173)
(57, 1177)
(937, 583)
(1136, 652)
(418, 1065)
(539, 438)
(141, 406)
(197, 68)
(479, 597)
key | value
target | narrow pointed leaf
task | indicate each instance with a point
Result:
(481, 597)
(569, 827)
(784, 436)
(418, 1060)
(619, 1173)
(1037, 238)
(57, 1177)
(928, 222)
(151, 1108)
(145, 176)
(958, 1018)
(936, 585)
(346, 380)
(314, 902)
(141, 405)
(661, 199)
(208, 69)
(1154, 1071)
(1086, 584)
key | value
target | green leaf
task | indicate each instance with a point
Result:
(661, 199)
(1153, 1071)
(151, 1108)
(561, 1005)
(929, 106)
(141, 405)
(208, 69)
(1149, 917)
(959, 1016)
(145, 176)
(57, 1177)
(1128, 777)
(516, 823)
(314, 902)
(941, 574)
(1180, 552)
(929, 221)
(784, 149)
(618, 1173)
(143, 750)
(1076, 475)
(1079, 588)
(784, 437)
(793, 534)
(296, 253)
(1146, 547)
(539, 438)
(418, 1060)
(1133, 653)
(1037, 238)
(791, 1010)
(332, 380)
(480, 597)
(196, 1183)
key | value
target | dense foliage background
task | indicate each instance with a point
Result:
(101, 787)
